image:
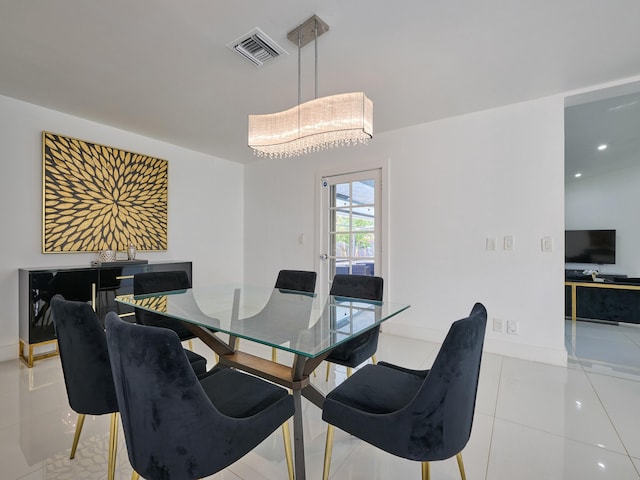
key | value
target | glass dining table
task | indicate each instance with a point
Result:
(306, 325)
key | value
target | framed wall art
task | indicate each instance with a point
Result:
(97, 197)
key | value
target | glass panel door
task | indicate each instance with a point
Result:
(351, 225)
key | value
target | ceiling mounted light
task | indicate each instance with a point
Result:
(336, 120)
(602, 147)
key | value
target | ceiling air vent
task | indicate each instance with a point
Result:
(256, 47)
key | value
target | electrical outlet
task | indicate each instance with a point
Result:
(512, 327)
(497, 325)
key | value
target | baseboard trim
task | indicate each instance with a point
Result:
(8, 352)
(491, 345)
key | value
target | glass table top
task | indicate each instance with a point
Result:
(301, 323)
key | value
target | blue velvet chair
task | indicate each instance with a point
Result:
(352, 353)
(85, 365)
(422, 415)
(181, 427)
(297, 281)
(153, 282)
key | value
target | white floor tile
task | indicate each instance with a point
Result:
(621, 399)
(525, 453)
(556, 400)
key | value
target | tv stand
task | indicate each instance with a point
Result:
(614, 300)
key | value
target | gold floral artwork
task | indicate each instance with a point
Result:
(97, 197)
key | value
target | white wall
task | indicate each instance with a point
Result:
(453, 183)
(608, 201)
(206, 204)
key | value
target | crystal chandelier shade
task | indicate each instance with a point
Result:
(337, 120)
(326, 122)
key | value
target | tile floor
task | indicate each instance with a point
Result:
(533, 421)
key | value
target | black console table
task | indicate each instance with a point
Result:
(94, 284)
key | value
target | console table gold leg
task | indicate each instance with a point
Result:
(29, 357)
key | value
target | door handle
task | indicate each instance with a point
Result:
(324, 256)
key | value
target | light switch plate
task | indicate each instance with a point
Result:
(508, 242)
(491, 244)
(547, 244)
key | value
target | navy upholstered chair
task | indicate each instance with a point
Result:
(297, 281)
(181, 427)
(422, 415)
(154, 282)
(86, 368)
(355, 351)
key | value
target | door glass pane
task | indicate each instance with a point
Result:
(363, 192)
(342, 266)
(342, 194)
(340, 245)
(363, 218)
(364, 244)
(342, 220)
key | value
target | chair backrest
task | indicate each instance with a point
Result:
(358, 349)
(357, 286)
(152, 282)
(449, 391)
(296, 280)
(84, 357)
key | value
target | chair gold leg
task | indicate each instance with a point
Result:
(426, 471)
(461, 466)
(328, 370)
(374, 360)
(113, 446)
(327, 452)
(274, 354)
(349, 371)
(76, 437)
(135, 475)
(288, 453)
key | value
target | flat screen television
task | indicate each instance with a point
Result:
(590, 246)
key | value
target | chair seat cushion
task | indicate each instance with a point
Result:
(355, 351)
(377, 389)
(198, 362)
(239, 395)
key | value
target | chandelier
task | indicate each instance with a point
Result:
(333, 121)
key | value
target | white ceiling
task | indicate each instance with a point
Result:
(161, 68)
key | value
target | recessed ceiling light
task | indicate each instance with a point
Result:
(602, 147)
(578, 175)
